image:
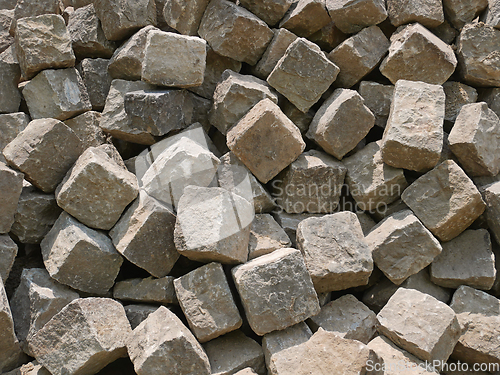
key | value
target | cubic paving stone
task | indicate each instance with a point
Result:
(303, 74)
(460, 12)
(344, 263)
(477, 313)
(348, 318)
(492, 98)
(96, 329)
(275, 50)
(87, 36)
(157, 344)
(86, 127)
(32, 8)
(276, 291)
(445, 200)
(413, 136)
(43, 42)
(344, 357)
(11, 124)
(352, 16)
(422, 282)
(213, 225)
(299, 16)
(8, 253)
(300, 119)
(10, 96)
(245, 352)
(475, 46)
(6, 17)
(11, 184)
(144, 235)
(36, 300)
(420, 324)
(328, 37)
(119, 20)
(34, 154)
(174, 60)
(245, 36)
(416, 54)
(276, 341)
(136, 314)
(254, 140)
(96, 190)
(491, 196)
(115, 120)
(377, 296)
(473, 139)
(80, 257)
(359, 55)
(94, 73)
(234, 96)
(266, 235)
(58, 94)
(378, 99)
(366, 222)
(149, 290)
(466, 260)
(126, 62)
(270, 11)
(457, 95)
(312, 183)
(491, 15)
(401, 246)
(428, 13)
(378, 188)
(184, 16)
(207, 302)
(341, 123)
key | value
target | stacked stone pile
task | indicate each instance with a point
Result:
(283, 187)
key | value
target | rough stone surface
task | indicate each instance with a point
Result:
(10, 97)
(144, 235)
(80, 257)
(174, 60)
(86, 127)
(184, 16)
(457, 95)
(378, 99)
(426, 12)
(379, 187)
(234, 96)
(300, 16)
(6, 17)
(115, 120)
(352, 16)
(328, 37)
(94, 73)
(31, 368)
(157, 344)
(303, 74)
(270, 11)
(8, 252)
(44, 152)
(276, 291)
(120, 19)
(207, 302)
(348, 318)
(416, 54)
(58, 94)
(33, 8)
(344, 263)
(290, 222)
(344, 357)
(265, 140)
(43, 42)
(460, 12)
(474, 139)
(376, 297)
(87, 36)
(275, 51)
(466, 260)
(300, 119)
(491, 196)
(312, 183)
(11, 184)
(445, 200)
(413, 137)
(341, 123)
(136, 314)
(420, 324)
(491, 16)
(148, 290)
(276, 341)
(477, 47)
(359, 55)
(266, 236)
(422, 282)
(401, 246)
(84, 337)
(244, 37)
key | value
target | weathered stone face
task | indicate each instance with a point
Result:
(352, 16)
(86, 127)
(426, 12)
(97, 81)
(299, 16)
(184, 16)
(460, 12)
(11, 184)
(8, 252)
(149, 290)
(491, 196)
(275, 50)
(10, 98)
(457, 95)
(266, 236)
(378, 99)
(270, 11)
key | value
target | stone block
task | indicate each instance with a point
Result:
(460, 12)
(275, 51)
(491, 15)
(300, 119)
(491, 196)
(95, 76)
(86, 127)
(8, 253)
(11, 124)
(299, 17)
(266, 236)
(445, 200)
(328, 37)
(10, 96)
(6, 17)
(270, 11)
(276, 341)
(422, 282)
(353, 16)
(378, 99)
(149, 290)
(33, 8)
(184, 16)
(377, 296)
(136, 314)
(457, 95)
(290, 222)
(30, 368)
(11, 184)
(426, 12)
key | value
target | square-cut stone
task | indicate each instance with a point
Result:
(207, 302)
(491, 196)
(460, 12)
(335, 251)
(148, 290)
(378, 99)
(174, 60)
(426, 12)
(95, 76)
(276, 291)
(413, 136)
(184, 16)
(422, 282)
(303, 74)
(274, 52)
(457, 95)
(10, 96)
(299, 17)
(265, 140)
(445, 200)
(266, 236)
(136, 314)
(270, 11)
(8, 253)
(86, 127)
(11, 185)
(353, 16)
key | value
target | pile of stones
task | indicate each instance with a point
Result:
(281, 187)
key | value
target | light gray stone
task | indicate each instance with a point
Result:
(33, 8)
(270, 11)
(378, 99)
(11, 184)
(86, 127)
(159, 342)
(94, 73)
(366, 222)
(276, 291)
(31, 368)
(84, 337)
(422, 282)
(136, 314)
(451, 203)
(10, 97)
(457, 95)
(6, 18)
(11, 124)
(492, 97)
(446, 32)
(460, 12)
(352, 16)
(149, 290)
(491, 15)
(299, 16)
(340, 264)
(491, 196)
(246, 371)
(184, 16)
(426, 12)
(290, 222)
(8, 253)
(266, 236)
